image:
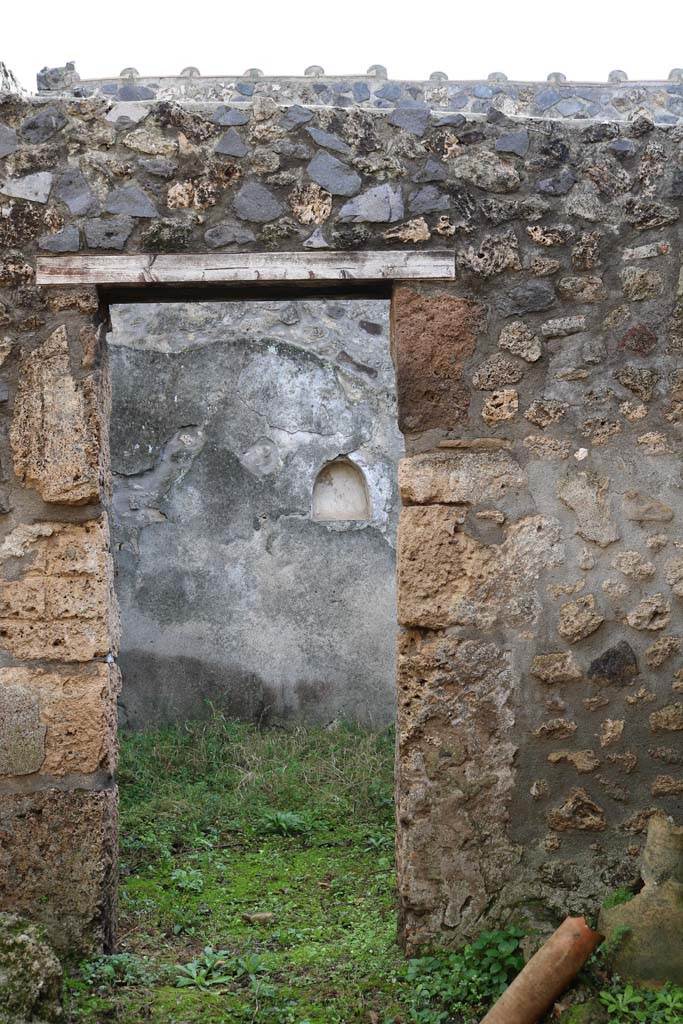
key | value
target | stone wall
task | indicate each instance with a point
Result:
(223, 415)
(539, 560)
(617, 99)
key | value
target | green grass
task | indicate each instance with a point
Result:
(220, 821)
(258, 886)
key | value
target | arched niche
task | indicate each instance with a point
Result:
(340, 493)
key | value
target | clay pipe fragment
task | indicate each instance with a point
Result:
(547, 974)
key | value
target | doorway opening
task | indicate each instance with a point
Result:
(254, 448)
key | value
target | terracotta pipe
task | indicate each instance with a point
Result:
(547, 974)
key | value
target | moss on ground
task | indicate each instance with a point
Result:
(258, 886)
(220, 822)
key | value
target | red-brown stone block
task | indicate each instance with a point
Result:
(433, 333)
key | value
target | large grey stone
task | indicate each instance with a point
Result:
(66, 240)
(257, 203)
(381, 204)
(8, 141)
(72, 188)
(159, 166)
(559, 184)
(108, 232)
(333, 175)
(33, 187)
(42, 126)
(428, 200)
(228, 233)
(231, 144)
(329, 141)
(131, 201)
(514, 142)
(412, 116)
(296, 115)
(616, 666)
(530, 297)
(122, 114)
(229, 116)
(433, 170)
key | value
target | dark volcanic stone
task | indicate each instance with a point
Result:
(43, 125)
(451, 120)
(428, 200)
(616, 666)
(559, 184)
(159, 166)
(413, 117)
(546, 98)
(329, 141)
(231, 144)
(108, 232)
(228, 233)
(677, 185)
(229, 116)
(8, 140)
(333, 175)
(623, 148)
(514, 142)
(257, 203)
(72, 188)
(66, 240)
(530, 297)
(599, 132)
(295, 115)
(135, 92)
(433, 170)
(131, 201)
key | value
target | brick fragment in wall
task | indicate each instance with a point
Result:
(58, 722)
(433, 334)
(58, 853)
(58, 431)
(455, 778)
(446, 577)
(59, 605)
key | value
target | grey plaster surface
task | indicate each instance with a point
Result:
(223, 414)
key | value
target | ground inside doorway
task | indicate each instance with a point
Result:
(258, 886)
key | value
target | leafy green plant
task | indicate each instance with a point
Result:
(188, 879)
(628, 1004)
(218, 968)
(283, 823)
(117, 969)
(464, 982)
(207, 971)
(616, 898)
(379, 842)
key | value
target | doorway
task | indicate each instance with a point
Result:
(231, 422)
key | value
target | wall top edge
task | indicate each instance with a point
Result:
(616, 99)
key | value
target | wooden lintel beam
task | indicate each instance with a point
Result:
(250, 268)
